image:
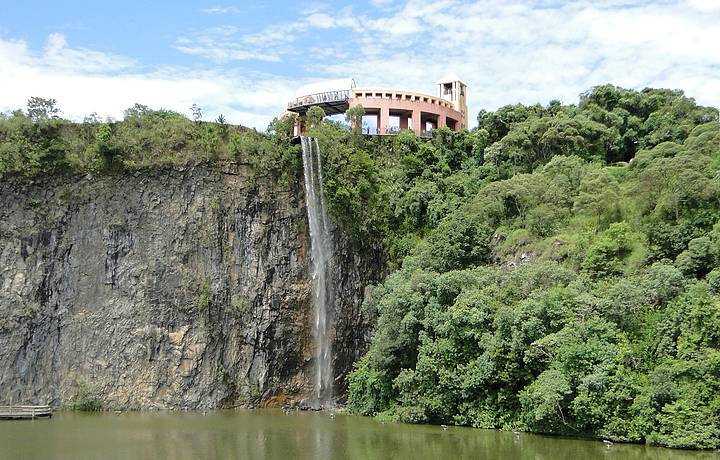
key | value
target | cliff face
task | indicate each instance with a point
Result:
(168, 288)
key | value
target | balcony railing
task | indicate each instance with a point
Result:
(392, 130)
(320, 98)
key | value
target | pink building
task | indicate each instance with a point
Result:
(388, 111)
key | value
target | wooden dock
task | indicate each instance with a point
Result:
(24, 412)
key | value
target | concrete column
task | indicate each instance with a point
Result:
(403, 121)
(384, 120)
(416, 122)
(441, 121)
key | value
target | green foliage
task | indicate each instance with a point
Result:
(41, 142)
(367, 394)
(314, 117)
(40, 109)
(240, 305)
(87, 398)
(554, 270)
(607, 255)
(222, 127)
(543, 401)
(598, 196)
(204, 296)
(354, 117)
(533, 142)
(665, 282)
(713, 279)
(283, 127)
(196, 113)
(389, 191)
(686, 425)
(461, 240)
(547, 283)
(701, 256)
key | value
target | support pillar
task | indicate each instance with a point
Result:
(403, 121)
(441, 121)
(416, 122)
(384, 120)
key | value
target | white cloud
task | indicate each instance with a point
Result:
(705, 5)
(58, 55)
(86, 81)
(225, 43)
(535, 51)
(520, 51)
(220, 10)
(222, 52)
(222, 46)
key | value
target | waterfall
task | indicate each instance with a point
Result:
(320, 258)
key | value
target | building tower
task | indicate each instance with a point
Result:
(452, 89)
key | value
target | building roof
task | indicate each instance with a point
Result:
(449, 78)
(325, 86)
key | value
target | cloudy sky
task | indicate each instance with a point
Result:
(245, 59)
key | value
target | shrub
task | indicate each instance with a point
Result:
(87, 398)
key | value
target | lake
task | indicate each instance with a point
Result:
(271, 434)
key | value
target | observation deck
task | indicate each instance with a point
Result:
(332, 102)
(388, 111)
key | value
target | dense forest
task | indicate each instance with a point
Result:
(555, 270)
(38, 141)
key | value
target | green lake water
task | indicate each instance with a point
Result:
(270, 434)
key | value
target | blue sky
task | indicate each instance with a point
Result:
(245, 59)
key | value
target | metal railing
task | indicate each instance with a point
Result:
(393, 130)
(319, 98)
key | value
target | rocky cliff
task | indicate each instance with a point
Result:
(176, 287)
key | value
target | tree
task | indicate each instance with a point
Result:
(461, 240)
(283, 127)
(196, 113)
(598, 197)
(40, 109)
(499, 123)
(220, 120)
(701, 256)
(606, 257)
(137, 111)
(314, 116)
(354, 116)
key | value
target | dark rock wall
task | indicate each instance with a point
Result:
(176, 287)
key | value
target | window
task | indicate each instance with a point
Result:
(370, 124)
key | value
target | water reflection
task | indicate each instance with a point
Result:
(273, 435)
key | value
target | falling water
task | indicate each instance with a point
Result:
(321, 256)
